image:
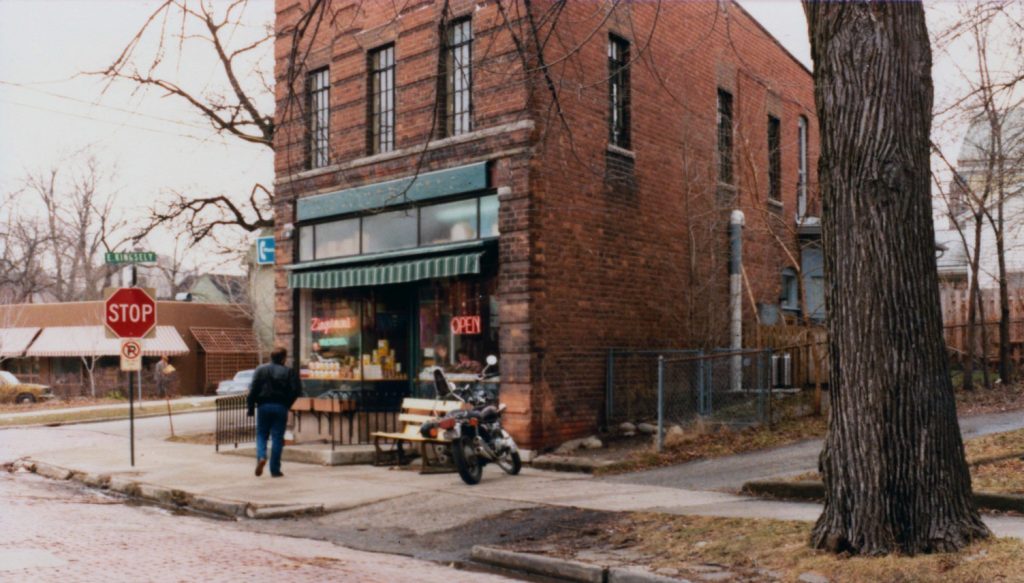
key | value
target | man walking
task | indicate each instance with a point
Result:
(273, 390)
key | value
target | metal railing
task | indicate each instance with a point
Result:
(233, 423)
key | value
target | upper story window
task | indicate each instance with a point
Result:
(382, 100)
(319, 84)
(801, 185)
(724, 137)
(774, 159)
(459, 78)
(618, 91)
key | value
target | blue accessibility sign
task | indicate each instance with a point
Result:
(265, 251)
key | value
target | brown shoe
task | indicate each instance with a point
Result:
(259, 466)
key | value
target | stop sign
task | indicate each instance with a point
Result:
(130, 312)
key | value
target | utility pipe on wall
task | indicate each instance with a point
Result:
(736, 221)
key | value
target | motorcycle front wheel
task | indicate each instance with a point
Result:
(467, 462)
(510, 462)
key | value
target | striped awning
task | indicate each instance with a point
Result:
(388, 273)
(14, 341)
(55, 341)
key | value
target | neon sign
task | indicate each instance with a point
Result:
(465, 325)
(328, 324)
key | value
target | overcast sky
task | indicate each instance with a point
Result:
(48, 114)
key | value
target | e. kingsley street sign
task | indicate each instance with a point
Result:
(118, 258)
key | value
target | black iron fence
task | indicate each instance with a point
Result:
(233, 423)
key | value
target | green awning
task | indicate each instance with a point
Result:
(388, 273)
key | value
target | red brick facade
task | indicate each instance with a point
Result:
(599, 247)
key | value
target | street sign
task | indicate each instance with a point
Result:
(131, 355)
(113, 258)
(265, 251)
(130, 312)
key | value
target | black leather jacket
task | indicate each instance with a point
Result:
(273, 383)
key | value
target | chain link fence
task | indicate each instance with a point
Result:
(681, 387)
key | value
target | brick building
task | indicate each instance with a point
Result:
(542, 181)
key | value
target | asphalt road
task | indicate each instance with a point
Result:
(730, 473)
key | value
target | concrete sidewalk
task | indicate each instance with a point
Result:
(197, 471)
(730, 473)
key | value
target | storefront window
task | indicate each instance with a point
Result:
(306, 243)
(489, 216)
(389, 231)
(443, 223)
(337, 239)
(386, 336)
(456, 325)
(335, 340)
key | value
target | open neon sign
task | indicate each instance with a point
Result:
(465, 325)
(328, 324)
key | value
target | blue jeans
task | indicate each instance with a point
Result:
(271, 419)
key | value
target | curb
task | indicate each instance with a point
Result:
(169, 497)
(565, 463)
(30, 424)
(565, 569)
(806, 490)
(540, 565)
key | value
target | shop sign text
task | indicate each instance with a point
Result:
(465, 325)
(328, 324)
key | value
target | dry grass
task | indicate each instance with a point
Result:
(995, 400)
(195, 438)
(58, 404)
(701, 442)
(149, 408)
(768, 550)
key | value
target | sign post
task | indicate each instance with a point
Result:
(130, 314)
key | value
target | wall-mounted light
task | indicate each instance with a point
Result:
(288, 231)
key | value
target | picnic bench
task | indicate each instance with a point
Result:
(414, 413)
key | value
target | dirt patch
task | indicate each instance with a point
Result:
(195, 438)
(760, 550)
(995, 400)
(702, 442)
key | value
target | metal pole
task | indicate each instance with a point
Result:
(661, 403)
(735, 298)
(131, 397)
(609, 396)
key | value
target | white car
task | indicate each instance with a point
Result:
(238, 385)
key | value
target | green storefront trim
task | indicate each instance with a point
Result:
(388, 273)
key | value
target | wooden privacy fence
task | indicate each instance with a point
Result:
(807, 348)
(954, 318)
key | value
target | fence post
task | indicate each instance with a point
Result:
(764, 362)
(609, 390)
(661, 403)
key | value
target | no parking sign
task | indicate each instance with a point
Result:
(131, 355)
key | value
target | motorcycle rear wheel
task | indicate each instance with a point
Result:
(511, 463)
(467, 462)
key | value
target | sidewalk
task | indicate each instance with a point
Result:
(182, 471)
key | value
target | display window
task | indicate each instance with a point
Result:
(388, 339)
(458, 325)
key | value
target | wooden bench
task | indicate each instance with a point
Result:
(415, 412)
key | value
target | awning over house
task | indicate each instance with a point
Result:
(388, 273)
(92, 341)
(14, 341)
(226, 340)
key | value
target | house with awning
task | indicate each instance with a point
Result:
(60, 344)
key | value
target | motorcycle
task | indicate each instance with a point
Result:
(476, 435)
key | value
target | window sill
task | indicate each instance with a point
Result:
(775, 205)
(613, 149)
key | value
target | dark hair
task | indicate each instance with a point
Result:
(279, 354)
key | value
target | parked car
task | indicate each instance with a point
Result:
(238, 385)
(14, 391)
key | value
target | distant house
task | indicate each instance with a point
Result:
(56, 343)
(213, 288)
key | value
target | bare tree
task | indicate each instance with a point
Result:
(895, 475)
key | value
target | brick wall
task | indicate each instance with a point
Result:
(599, 248)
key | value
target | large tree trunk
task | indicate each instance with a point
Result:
(893, 464)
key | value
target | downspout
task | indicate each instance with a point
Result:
(736, 298)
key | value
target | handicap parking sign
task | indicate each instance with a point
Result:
(265, 251)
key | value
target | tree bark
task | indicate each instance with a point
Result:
(972, 306)
(893, 464)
